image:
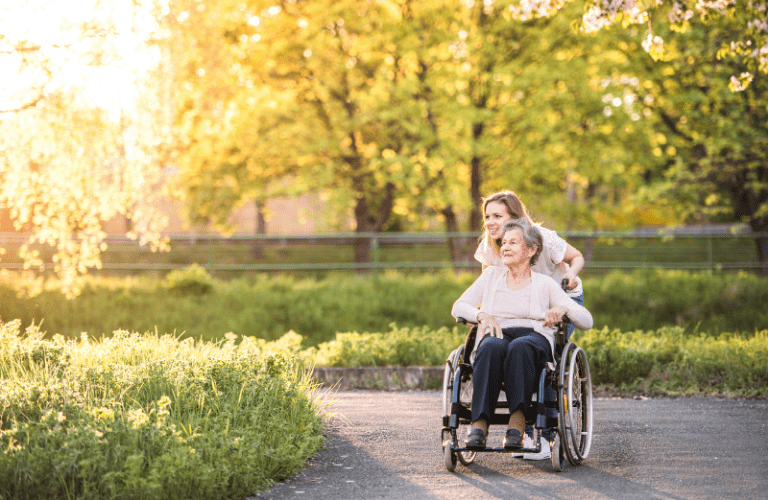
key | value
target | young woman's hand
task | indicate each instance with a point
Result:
(571, 277)
(488, 324)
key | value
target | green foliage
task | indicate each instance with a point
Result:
(193, 280)
(706, 143)
(149, 417)
(398, 347)
(669, 360)
(704, 301)
(672, 360)
(266, 307)
(317, 309)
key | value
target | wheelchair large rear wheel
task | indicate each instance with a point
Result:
(465, 457)
(451, 365)
(575, 404)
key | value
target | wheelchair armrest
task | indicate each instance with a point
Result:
(465, 322)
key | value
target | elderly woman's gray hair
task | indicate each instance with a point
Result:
(531, 235)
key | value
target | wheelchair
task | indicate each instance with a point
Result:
(570, 431)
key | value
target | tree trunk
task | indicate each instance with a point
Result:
(475, 215)
(451, 226)
(460, 250)
(257, 249)
(760, 225)
(761, 242)
(366, 223)
(747, 202)
(361, 246)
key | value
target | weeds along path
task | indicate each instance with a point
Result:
(386, 445)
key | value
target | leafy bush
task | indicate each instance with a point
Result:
(149, 417)
(398, 347)
(193, 280)
(672, 360)
(701, 301)
(668, 360)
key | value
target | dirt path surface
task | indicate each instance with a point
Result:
(386, 445)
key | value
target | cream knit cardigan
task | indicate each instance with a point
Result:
(546, 293)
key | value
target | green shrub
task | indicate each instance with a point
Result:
(671, 360)
(668, 360)
(398, 347)
(138, 416)
(193, 280)
(699, 301)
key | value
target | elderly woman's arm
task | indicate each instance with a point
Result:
(467, 306)
(560, 303)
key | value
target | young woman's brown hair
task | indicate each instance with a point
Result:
(515, 207)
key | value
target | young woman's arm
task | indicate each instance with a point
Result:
(576, 261)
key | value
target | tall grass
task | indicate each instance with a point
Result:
(147, 416)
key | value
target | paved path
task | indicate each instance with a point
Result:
(386, 445)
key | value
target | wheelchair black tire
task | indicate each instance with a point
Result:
(451, 364)
(465, 457)
(575, 404)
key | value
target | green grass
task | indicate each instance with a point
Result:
(192, 304)
(146, 416)
(265, 307)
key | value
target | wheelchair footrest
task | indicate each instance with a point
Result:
(489, 449)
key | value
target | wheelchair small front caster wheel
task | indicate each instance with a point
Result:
(557, 454)
(450, 457)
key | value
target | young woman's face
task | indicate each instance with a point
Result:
(496, 215)
(514, 251)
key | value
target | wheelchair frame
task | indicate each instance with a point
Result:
(571, 431)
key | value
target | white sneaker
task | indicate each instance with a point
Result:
(527, 443)
(544, 454)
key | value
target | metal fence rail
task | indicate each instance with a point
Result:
(691, 248)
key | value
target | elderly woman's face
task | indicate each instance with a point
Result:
(514, 251)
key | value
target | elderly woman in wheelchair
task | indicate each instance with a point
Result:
(517, 312)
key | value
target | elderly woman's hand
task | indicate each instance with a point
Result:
(554, 315)
(488, 324)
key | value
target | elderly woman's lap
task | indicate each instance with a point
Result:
(516, 361)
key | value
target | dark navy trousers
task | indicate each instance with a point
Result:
(517, 359)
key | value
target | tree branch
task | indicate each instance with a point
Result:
(28, 105)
